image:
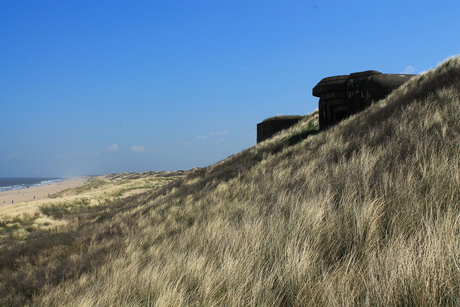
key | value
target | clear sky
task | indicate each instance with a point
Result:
(96, 87)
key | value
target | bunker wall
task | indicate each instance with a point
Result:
(267, 129)
(342, 96)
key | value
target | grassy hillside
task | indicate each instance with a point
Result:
(19, 221)
(366, 213)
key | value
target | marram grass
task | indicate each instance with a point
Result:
(366, 213)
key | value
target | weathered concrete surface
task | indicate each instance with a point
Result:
(268, 128)
(342, 96)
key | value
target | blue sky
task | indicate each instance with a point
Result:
(96, 87)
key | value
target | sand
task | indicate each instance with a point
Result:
(41, 192)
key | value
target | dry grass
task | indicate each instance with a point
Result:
(364, 214)
(283, 117)
(18, 221)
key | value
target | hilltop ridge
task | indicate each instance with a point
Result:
(362, 214)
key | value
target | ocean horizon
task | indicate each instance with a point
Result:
(16, 183)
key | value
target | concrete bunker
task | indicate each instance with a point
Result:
(339, 98)
(342, 96)
(273, 125)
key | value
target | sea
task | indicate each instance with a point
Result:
(16, 183)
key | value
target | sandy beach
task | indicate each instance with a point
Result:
(41, 192)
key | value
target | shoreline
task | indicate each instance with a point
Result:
(13, 197)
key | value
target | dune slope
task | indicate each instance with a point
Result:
(363, 214)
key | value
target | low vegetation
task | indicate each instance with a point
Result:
(93, 183)
(51, 213)
(363, 214)
(283, 117)
(58, 210)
